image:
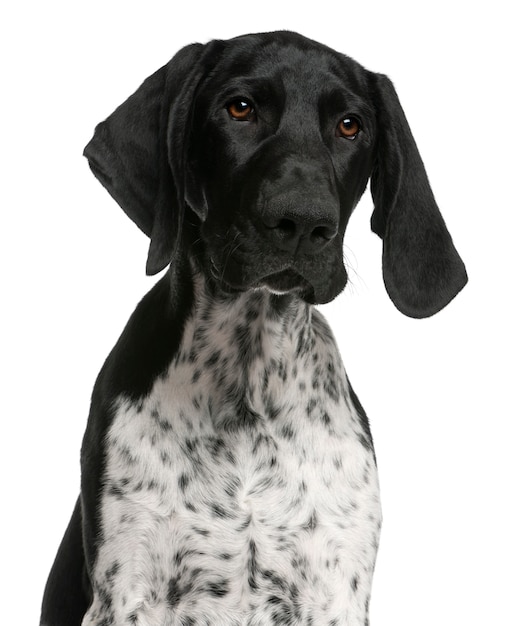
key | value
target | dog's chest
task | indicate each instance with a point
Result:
(240, 496)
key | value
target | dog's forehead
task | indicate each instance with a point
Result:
(289, 59)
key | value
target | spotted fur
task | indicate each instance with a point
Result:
(243, 488)
(228, 476)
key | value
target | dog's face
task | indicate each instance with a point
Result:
(280, 152)
(249, 156)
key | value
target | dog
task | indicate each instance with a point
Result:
(228, 470)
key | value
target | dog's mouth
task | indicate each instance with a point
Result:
(286, 281)
(281, 281)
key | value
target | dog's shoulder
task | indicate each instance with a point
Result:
(147, 343)
(143, 351)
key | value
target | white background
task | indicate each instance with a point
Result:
(441, 393)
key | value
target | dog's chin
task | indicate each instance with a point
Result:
(288, 281)
(279, 282)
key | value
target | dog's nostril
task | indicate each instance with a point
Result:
(323, 232)
(287, 227)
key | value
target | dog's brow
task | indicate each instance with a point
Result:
(259, 86)
(340, 99)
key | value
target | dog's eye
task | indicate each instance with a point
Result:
(240, 110)
(349, 127)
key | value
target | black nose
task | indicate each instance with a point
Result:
(306, 229)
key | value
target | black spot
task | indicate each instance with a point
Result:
(112, 571)
(311, 524)
(165, 458)
(212, 360)
(242, 339)
(354, 583)
(191, 445)
(244, 419)
(287, 432)
(232, 486)
(274, 579)
(283, 616)
(230, 457)
(294, 594)
(301, 344)
(312, 403)
(176, 591)
(274, 600)
(272, 411)
(218, 589)
(183, 481)
(127, 455)
(367, 441)
(181, 555)
(251, 314)
(260, 440)
(364, 442)
(163, 424)
(116, 491)
(105, 599)
(331, 389)
(219, 511)
(282, 370)
(252, 566)
(215, 445)
(266, 379)
(366, 606)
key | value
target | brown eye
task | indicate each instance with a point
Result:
(240, 110)
(349, 127)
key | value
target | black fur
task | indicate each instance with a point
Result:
(257, 203)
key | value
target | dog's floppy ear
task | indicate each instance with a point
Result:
(422, 269)
(138, 152)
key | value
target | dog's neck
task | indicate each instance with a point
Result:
(244, 349)
(252, 324)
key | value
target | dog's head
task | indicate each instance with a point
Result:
(251, 154)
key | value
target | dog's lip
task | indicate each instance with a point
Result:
(285, 279)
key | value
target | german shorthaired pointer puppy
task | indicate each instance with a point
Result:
(228, 472)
